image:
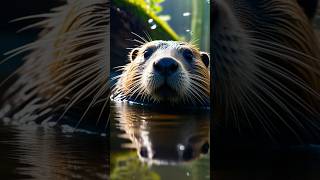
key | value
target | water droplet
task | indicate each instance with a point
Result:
(186, 14)
(153, 26)
(150, 21)
(188, 173)
(181, 147)
(188, 30)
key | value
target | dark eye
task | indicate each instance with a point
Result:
(187, 54)
(147, 53)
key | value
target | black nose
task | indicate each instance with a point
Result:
(166, 66)
(144, 152)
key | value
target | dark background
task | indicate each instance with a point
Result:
(9, 38)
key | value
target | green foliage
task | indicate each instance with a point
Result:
(200, 23)
(128, 166)
(144, 12)
(155, 5)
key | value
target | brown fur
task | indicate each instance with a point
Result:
(131, 86)
(267, 81)
(67, 67)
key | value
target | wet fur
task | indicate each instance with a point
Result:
(66, 68)
(138, 80)
(266, 73)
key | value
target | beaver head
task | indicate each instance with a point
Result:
(165, 72)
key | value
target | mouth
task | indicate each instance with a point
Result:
(165, 91)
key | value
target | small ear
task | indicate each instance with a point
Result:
(309, 7)
(133, 54)
(205, 58)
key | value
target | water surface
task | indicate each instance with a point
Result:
(35, 152)
(149, 143)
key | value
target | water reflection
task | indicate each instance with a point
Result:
(33, 152)
(163, 137)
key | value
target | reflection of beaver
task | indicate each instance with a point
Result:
(164, 137)
(165, 72)
(266, 72)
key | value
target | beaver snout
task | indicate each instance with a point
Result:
(165, 66)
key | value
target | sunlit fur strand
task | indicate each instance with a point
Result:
(286, 41)
(77, 29)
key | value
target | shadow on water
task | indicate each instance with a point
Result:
(295, 163)
(149, 143)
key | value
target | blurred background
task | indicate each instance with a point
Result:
(10, 39)
(39, 153)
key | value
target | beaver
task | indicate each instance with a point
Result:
(66, 68)
(265, 74)
(165, 72)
